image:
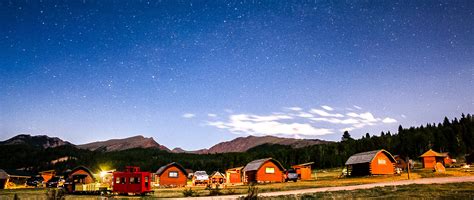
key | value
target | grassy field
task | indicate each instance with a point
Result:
(433, 191)
(322, 178)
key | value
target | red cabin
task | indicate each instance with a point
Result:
(132, 181)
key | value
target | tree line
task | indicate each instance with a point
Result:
(455, 136)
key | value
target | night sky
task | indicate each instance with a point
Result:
(191, 74)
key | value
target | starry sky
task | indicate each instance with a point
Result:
(194, 73)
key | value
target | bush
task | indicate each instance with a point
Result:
(189, 192)
(252, 193)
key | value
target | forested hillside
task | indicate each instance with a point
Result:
(455, 136)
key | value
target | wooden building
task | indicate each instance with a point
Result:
(234, 175)
(217, 178)
(13, 179)
(303, 170)
(263, 170)
(378, 162)
(172, 175)
(78, 179)
(430, 158)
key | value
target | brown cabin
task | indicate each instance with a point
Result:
(378, 162)
(303, 170)
(78, 177)
(400, 162)
(217, 178)
(172, 175)
(263, 170)
(234, 175)
(430, 158)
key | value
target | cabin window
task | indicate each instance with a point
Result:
(137, 180)
(117, 180)
(270, 170)
(173, 174)
(132, 180)
(146, 179)
(122, 180)
(382, 162)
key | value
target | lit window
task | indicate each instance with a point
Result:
(132, 180)
(382, 162)
(117, 180)
(270, 170)
(146, 179)
(173, 174)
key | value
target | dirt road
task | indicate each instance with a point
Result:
(353, 187)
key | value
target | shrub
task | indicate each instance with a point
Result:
(189, 192)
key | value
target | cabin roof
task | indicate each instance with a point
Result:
(304, 164)
(216, 173)
(83, 168)
(367, 157)
(235, 168)
(256, 164)
(163, 168)
(430, 153)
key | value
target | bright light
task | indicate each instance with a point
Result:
(103, 173)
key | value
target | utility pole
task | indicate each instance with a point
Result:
(408, 167)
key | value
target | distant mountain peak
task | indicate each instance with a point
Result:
(41, 141)
(242, 144)
(137, 141)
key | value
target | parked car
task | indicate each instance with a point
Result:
(291, 175)
(200, 178)
(55, 182)
(35, 181)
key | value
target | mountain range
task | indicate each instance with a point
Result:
(240, 144)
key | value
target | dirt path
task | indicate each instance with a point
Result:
(353, 187)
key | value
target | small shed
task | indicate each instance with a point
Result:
(234, 175)
(430, 158)
(172, 175)
(263, 170)
(303, 170)
(217, 178)
(378, 162)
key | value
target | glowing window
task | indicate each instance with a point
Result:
(270, 170)
(173, 174)
(382, 162)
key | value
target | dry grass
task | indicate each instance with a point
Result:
(323, 178)
(433, 191)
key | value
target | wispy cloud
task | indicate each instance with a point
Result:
(295, 108)
(267, 125)
(389, 120)
(323, 113)
(188, 115)
(211, 115)
(328, 108)
(298, 122)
